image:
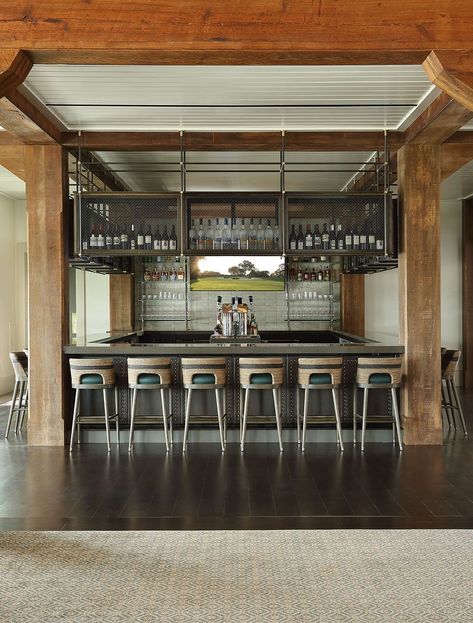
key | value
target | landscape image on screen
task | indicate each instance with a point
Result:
(236, 273)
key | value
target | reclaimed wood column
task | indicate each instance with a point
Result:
(121, 303)
(47, 292)
(419, 291)
(467, 292)
(352, 303)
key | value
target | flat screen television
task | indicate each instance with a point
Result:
(241, 273)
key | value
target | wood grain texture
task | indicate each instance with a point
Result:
(452, 71)
(121, 303)
(367, 366)
(262, 25)
(47, 292)
(352, 304)
(12, 157)
(467, 292)
(419, 291)
(454, 157)
(20, 117)
(13, 73)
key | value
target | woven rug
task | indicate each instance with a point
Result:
(240, 576)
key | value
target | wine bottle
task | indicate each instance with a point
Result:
(226, 235)
(269, 237)
(276, 237)
(124, 238)
(192, 236)
(116, 238)
(157, 239)
(340, 238)
(363, 240)
(332, 238)
(132, 239)
(173, 238)
(293, 239)
(317, 237)
(309, 239)
(243, 236)
(100, 238)
(209, 235)
(148, 239)
(261, 236)
(235, 235)
(93, 238)
(300, 239)
(356, 238)
(348, 239)
(325, 238)
(140, 238)
(217, 244)
(109, 238)
(253, 236)
(201, 236)
(165, 239)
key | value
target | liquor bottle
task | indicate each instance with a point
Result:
(93, 238)
(309, 239)
(348, 239)
(132, 239)
(340, 238)
(209, 235)
(243, 236)
(276, 237)
(100, 238)
(165, 239)
(292, 274)
(332, 238)
(148, 239)
(253, 325)
(140, 238)
(306, 275)
(320, 275)
(109, 238)
(226, 235)
(180, 273)
(313, 275)
(124, 238)
(192, 236)
(173, 238)
(293, 239)
(116, 238)
(300, 275)
(235, 235)
(317, 237)
(356, 238)
(326, 273)
(261, 236)
(363, 240)
(325, 238)
(269, 237)
(253, 236)
(300, 239)
(157, 239)
(201, 236)
(217, 243)
(218, 330)
(379, 243)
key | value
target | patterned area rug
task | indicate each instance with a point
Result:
(241, 576)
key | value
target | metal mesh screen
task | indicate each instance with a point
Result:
(125, 223)
(341, 224)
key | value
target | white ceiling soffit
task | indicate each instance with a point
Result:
(110, 97)
(459, 185)
(238, 171)
(10, 185)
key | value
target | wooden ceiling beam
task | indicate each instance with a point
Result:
(15, 65)
(20, 117)
(454, 157)
(12, 157)
(452, 71)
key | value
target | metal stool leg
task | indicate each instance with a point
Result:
(337, 417)
(460, 410)
(304, 421)
(224, 404)
(298, 415)
(12, 406)
(277, 411)
(117, 420)
(74, 418)
(171, 432)
(132, 419)
(186, 425)
(165, 419)
(396, 417)
(25, 405)
(355, 403)
(107, 420)
(245, 417)
(20, 406)
(450, 400)
(78, 422)
(444, 405)
(242, 399)
(220, 418)
(365, 413)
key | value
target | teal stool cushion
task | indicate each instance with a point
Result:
(261, 379)
(203, 379)
(320, 379)
(149, 379)
(91, 379)
(381, 379)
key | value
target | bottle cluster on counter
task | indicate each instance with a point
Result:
(236, 319)
(234, 234)
(115, 237)
(335, 237)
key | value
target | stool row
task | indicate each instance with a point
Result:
(256, 374)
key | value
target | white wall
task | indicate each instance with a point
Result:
(381, 290)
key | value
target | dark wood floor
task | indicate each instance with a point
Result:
(424, 487)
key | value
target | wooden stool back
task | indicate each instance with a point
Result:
(19, 362)
(149, 365)
(450, 363)
(204, 365)
(261, 365)
(103, 367)
(320, 365)
(378, 365)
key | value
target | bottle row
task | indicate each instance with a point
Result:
(303, 275)
(330, 239)
(237, 234)
(120, 237)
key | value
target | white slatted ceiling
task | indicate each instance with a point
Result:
(102, 97)
(459, 185)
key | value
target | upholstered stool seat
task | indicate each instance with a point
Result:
(150, 373)
(318, 374)
(260, 373)
(93, 374)
(377, 373)
(205, 374)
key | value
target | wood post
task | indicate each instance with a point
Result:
(352, 302)
(467, 283)
(47, 292)
(419, 290)
(121, 303)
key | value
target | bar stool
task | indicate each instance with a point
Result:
(94, 374)
(150, 373)
(199, 374)
(19, 401)
(450, 400)
(319, 374)
(260, 373)
(377, 373)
